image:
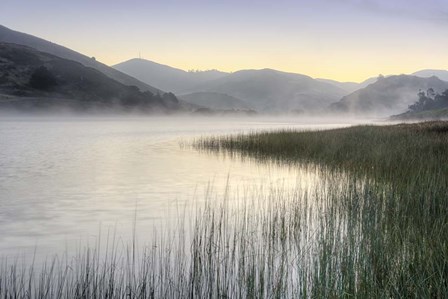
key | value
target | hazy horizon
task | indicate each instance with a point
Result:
(343, 40)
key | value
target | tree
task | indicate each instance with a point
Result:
(430, 100)
(43, 79)
(421, 103)
(170, 98)
(430, 93)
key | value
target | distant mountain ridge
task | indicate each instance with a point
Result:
(347, 86)
(441, 74)
(166, 77)
(263, 90)
(10, 36)
(269, 90)
(215, 101)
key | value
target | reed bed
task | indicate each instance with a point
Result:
(396, 151)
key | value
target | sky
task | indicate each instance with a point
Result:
(344, 40)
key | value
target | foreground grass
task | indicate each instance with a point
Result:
(406, 170)
(404, 151)
(379, 229)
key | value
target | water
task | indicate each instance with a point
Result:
(65, 181)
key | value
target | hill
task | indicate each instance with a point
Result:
(166, 77)
(441, 74)
(274, 91)
(30, 79)
(346, 86)
(215, 101)
(387, 96)
(10, 36)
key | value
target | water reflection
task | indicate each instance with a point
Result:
(63, 180)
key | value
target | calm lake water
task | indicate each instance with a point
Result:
(65, 181)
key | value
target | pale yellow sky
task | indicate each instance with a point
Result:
(344, 40)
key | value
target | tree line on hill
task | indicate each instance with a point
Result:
(43, 79)
(430, 100)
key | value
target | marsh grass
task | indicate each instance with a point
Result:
(395, 151)
(403, 227)
(366, 232)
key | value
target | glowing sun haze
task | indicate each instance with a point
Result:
(345, 40)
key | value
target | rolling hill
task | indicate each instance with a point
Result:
(166, 77)
(30, 80)
(387, 96)
(441, 74)
(273, 91)
(348, 87)
(263, 90)
(215, 101)
(10, 36)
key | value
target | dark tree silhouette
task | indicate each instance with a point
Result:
(43, 79)
(169, 97)
(430, 100)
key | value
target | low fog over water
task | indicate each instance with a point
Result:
(63, 180)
